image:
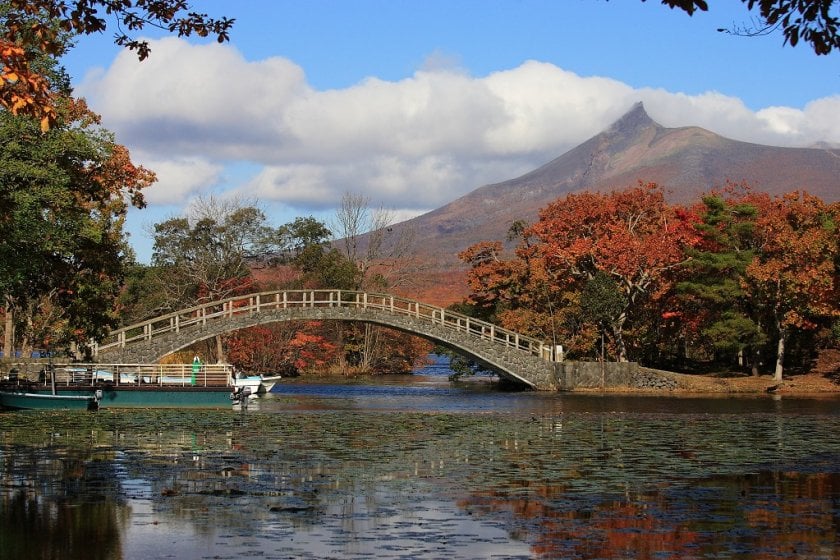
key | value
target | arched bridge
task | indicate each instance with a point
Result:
(517, 357)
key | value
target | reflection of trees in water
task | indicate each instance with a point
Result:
(34, 528)
(763, 513)
(589, 484)
(59, 502)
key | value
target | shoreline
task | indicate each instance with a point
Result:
(681, 384)
(808, 384)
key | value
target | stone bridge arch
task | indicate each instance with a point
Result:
(516, 357)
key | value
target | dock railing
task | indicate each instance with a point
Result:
(207, 375)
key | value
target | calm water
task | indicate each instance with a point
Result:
(415, 468)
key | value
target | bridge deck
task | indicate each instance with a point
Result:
(520, 358)
(288, 299)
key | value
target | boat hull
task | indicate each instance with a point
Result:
(157, 396)
(256, 383)
(19, 400)
(268, 383)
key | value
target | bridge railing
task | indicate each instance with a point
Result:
(285, 299)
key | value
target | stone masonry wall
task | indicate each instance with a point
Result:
(573, 375)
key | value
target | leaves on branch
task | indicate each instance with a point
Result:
(33, 28)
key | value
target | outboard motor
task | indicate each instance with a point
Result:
(242, 395)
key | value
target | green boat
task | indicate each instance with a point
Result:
(165, 397)
(131, 385)
(21, 400)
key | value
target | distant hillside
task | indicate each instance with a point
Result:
(686, 161)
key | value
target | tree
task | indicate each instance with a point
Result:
(209, 250)
(284, 348)
(794, 276)
(379, 255)
(632, 235)
(813, 21)
(205, 255)
(379, 252)
(63, 200)
(712, 283)
(33, 29)
(601, 301)
(297, 236)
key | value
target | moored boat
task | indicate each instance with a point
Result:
(135, 385)
(255, 383)
(268, 382)
(22, 400)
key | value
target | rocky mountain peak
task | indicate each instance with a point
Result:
(634, 121)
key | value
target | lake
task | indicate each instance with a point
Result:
(413, 467)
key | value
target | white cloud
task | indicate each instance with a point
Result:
(413, 144)
(180, 179)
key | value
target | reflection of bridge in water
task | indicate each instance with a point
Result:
(519, 358)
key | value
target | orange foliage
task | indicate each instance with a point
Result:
(795, 269)
(632, 234)
(285, 348)
(36, 28)
(23, 91)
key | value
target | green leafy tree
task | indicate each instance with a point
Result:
(63, 200)
(206, 255)
(299, 235)
(601, 301)
(712, 287)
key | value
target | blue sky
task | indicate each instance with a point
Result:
(416, 103)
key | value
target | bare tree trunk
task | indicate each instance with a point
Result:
(780, 355)
(9, 330)
(617, 328)
(370, 347)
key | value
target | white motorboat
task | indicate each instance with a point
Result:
(268, 382)
(255, 383)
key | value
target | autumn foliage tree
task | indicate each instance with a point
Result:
(632, 236)
(280, 348)
(794, 277)
(63, 200)
(731, 274)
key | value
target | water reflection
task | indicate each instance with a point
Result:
(426, 471)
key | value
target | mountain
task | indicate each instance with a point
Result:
(686, 161)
